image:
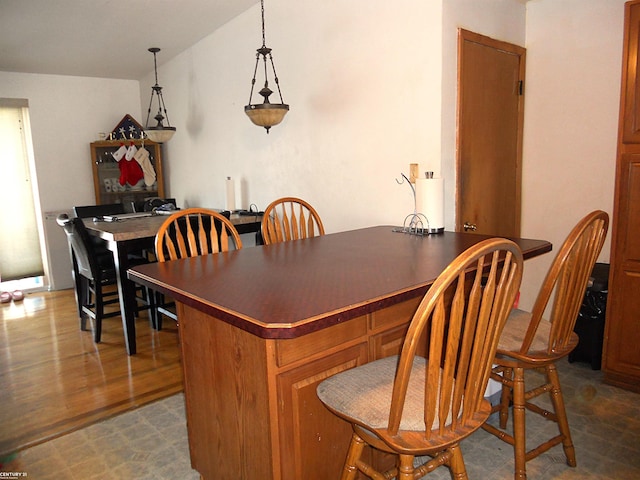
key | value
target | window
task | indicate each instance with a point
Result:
(20, 253)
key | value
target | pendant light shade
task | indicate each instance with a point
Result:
(158, 133)
(265, 114)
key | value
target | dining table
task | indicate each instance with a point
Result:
(259, 328)
(131, 234)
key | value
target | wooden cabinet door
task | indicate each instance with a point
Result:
(621, 353)
(387, 343)
(630, 113)
(313, 441)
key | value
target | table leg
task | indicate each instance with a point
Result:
(126, 293)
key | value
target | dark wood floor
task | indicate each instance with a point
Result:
(54, 379)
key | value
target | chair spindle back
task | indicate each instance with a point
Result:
(193, 232)
(567, 278)
(462, 316)
(290, 218)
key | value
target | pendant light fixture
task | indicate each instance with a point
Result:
(158, 133)
(265, 114)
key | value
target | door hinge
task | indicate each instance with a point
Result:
(520, 87)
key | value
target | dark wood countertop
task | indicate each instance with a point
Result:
(290, 289)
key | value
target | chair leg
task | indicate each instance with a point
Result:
(99, 312)
(505, 397)
(519, 428)
(350, 469)
(151, 302)
(82, 297)
(79, 285)
(159, 300)
(405, 472)
(561, 414)
(456, 464)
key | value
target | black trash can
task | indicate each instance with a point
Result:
(590, 321)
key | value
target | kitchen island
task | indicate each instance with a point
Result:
(261, 327)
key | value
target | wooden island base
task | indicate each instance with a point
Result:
(252, 409)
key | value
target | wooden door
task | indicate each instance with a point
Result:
(621, 356)
(489, 144)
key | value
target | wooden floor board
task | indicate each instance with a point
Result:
(54, 379)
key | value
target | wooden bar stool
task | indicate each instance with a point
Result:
(424, 402)
(532, 342)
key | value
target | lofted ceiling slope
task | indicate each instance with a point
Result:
(104, 38)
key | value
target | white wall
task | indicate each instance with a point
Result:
(66, 114)
(574, 55)
(363, 80)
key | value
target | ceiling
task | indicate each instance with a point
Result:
(104, 38)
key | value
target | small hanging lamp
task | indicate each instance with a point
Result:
(158, 133)
(265, 114)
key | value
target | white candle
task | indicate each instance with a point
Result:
(231, 195)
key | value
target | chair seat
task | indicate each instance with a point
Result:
(515, 329)
(374, 384)
(513, 335)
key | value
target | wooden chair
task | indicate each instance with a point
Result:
(94, 276)
(425, 402)
(91, 211)
(290, 218)
(531, 342)
(189, 233)
(148, 204)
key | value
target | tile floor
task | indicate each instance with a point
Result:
(151, 442)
